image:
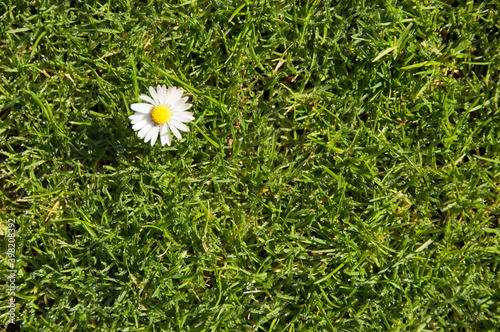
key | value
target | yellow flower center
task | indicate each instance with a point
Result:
(161, 114)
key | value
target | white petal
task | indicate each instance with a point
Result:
(180, 102)
(182, 118)
(166, 139)
(142, 133)
(148, 99)
(169, 93)
(148, 136)
(180, 105)
(137, 116)
(188, 114)
(154, 95)
(159, 92)
(141, 107)
(173, 95)
(164, 129)
(174, 130)
(177, 94)
(152, 135)
(184, 107)
(139, 125)
(179, 125)
(163, 99)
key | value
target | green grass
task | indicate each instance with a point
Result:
(342, 173)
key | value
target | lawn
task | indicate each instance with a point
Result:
(342, 172)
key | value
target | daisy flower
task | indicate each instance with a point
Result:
(164, 112)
